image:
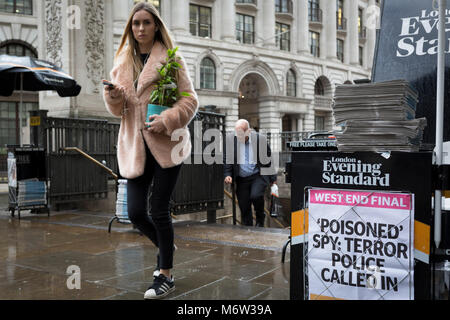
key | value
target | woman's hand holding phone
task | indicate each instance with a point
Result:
(115, 91)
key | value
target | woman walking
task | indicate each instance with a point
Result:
(147, 154)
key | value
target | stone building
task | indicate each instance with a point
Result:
(274, 62)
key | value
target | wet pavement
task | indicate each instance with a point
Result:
(213, 262)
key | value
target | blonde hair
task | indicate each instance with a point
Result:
(132, 51)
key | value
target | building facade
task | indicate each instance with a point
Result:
(273, 62)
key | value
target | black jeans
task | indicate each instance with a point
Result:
(250, 190)
(158, 228)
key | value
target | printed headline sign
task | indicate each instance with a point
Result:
(360, 245)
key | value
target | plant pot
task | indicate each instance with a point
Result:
(153, 109)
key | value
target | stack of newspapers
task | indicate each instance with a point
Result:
(121, 203)
(31, 192)
(378, 117)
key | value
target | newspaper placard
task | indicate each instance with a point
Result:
(360, 245)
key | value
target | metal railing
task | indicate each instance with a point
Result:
(247, 2)
(284, 7)
(341, 23)
(68, 142)
(315, 15)
(362, 33)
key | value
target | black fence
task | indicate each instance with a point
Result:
(72, 177)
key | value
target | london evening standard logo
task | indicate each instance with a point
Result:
(351, 171)
(415, 34)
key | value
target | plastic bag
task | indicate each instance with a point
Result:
(275, 207)
(274, 190)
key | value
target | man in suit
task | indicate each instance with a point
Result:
(250, 168)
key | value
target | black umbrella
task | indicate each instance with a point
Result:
(30, 74)
(38, 75)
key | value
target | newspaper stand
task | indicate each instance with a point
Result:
(408, 172)
(27, 164)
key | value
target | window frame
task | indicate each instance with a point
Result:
(204, 81)
(314, 10)
(340, 49)
(198, 23)
(244, 32)
(313, 52)
(25, 46)
(361, 55)
(3, 4)
(280, 40)
(319, 88)
(322, 119)
(291, 86)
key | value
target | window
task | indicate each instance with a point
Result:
(291, 84)
(156, 3)
(245, 29)
(361, 56)
(319, 123)
(17, 6)
(340, 49)
(283, 36)
(319, 89)
(200, 21)
(17, 49)
(283, 6)
(341, 22)
(9, 120)
(314, 11)
(314, 42)
(207, 74)
(360, 20)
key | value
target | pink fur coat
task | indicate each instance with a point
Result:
(169, 148)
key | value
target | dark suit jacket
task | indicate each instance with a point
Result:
(231, 166)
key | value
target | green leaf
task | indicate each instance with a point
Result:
(185, 94)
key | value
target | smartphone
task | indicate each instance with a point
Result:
(107, 83)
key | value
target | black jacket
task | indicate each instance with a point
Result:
(231, 166)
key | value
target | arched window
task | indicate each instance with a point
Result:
(319, 89)
(207, 74)
(16, 48)
(291, 84)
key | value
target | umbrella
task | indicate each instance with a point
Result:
(30, 74)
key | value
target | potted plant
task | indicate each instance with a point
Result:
(166, 91)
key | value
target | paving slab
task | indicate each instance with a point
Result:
(212, 262)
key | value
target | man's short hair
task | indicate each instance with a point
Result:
(241, 122)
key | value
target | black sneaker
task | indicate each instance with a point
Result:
(160, 288)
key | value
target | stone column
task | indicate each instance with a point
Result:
(121, 10)
(303, 27)
(269, 23)
(228, 21)
(371, 20)
(180, 16)
(232, 115)
(329, 21)
(323, 33)
(347, 39)
(353, 36)
(300, 123)
(269, 116)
